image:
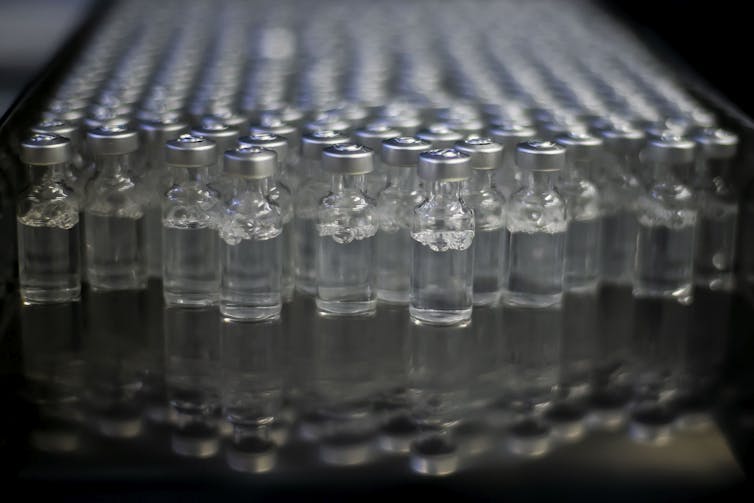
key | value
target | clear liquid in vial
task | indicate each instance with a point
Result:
(618, 247)
(534, 275)
(154, 241)
(715, 246)
(115, 252)
(442, 281)
(582, 254)
(489, 250)
(251, 278)
(664, 261)
(191, 271)
(305, 244)
(393, 265)
(288, 272)
(48, 262)
(345, 275)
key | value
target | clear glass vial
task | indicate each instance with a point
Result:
(442, 228)
(509, 134)
(225, 137)
(283, 196)
(395, 209)
(583, 233)
(536, 223)
(47, 224)
(372, 136)
(440, 136)
(251, 232)
(346, 226)
(312, 188)
(114, 212)
(717, 204)
(490, 234)
(77, 173)
(190, 263)
(619, 189)
(667, 217)
(273, 125)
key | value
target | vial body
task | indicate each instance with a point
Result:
(536, 223)
(717, 221)
(490, 236)
(583, 231)
(190, 262)
(311, 189)
(395, 207)
(282, 195)
(48, 240)
(442, 279)
(346, 228)
(250, 252)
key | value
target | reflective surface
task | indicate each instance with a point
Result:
(612, 390)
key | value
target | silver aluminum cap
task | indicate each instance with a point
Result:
(580, 144)
(373, 134)
(484, 152)
(46, 149)
(716, 143)
(162, 127)
(540, 155)
(669, 148)
(510, 134)
(56, 127)
(273, 142)
(224, 135)
(348, 159)
(444, 165)
(272, 125)
(313, 144)
(250, 162)
(189, 151)
(328, 124)
(403, 151)
(440, 136)
(623, 137)
(112, 140)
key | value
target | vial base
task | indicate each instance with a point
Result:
(350, 308)
(392, 296)
(31, 295)
(486, 298)
(247, 312)
(718, 282)
(681, 293)
(439, 317)
(189, 299)
(518, 299)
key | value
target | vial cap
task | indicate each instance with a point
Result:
(161, 127)
(580, 144)
(55, 126)
(510, 134)
(188, 151)
(483, 152)
(328, 123)
(403, 151)
(250, 162)
(348, 159)
(446, 165)
(622, 137)
(228, 117)
(440, 136)
(313, 144)
(112, 140)
(272, 125)
(716, 143)
(670, 148)
(273, 142)
(373, 134)
(212, 128)
(45, 149)
(286, 113)
(540, 155)
(408, 125)
(466, 127)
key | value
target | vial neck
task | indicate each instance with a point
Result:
(199, 174)
(482, 179)
(341, 183)
(260, 186)
(577, 169)
(446, 189)
(312, 168)
(401, 177)
(54, 173)
(541, 181)
(113, 166)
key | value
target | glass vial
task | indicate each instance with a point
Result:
(346, 226)
(282, 194)
(395, 209)
(717, 210)
(442, 228)
(536, 223)
(583, 232)
(372, 136)
(190, 266)
(667, 219)
(114, 213)
(313, 186)
(509, 134)
(47, 222)
(490, 235)
(619, 189)
(251, 231)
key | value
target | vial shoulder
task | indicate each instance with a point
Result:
(531, 212)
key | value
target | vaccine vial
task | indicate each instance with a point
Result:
(190, 210)
(536, 223)
(346, 226)
(272, 125)
(667, 219)
(509, 134)
(490, 234)
(114, 213)
(372, 137)
(583, 233)
(47, 222)
(313, 187)
(76, 173)
(440, 136)
(442, 228)
(225, 137)
(154, 132)
(282, 195)
(395, 209)
(717, 209)
(251, 237)
(619, 189)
